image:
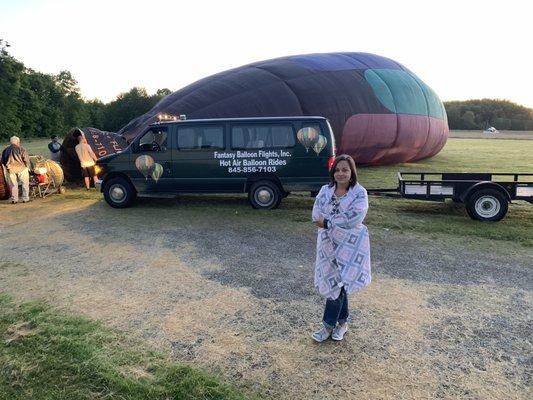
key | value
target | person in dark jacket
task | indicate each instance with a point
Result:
(55, 148)
(16, 160)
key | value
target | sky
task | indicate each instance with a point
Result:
(465, 49)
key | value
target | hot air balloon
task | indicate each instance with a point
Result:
(4, 187)
(145, 165)
(307, 137)
(380, 112)
(157, 172)
(320, 144)
(103, 143)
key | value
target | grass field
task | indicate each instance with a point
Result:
(45, 354)
(459, 155)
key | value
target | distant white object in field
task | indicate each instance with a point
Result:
(491, 130)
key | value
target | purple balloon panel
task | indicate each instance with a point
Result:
(392, 138)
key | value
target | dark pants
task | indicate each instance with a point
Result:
(336, 311)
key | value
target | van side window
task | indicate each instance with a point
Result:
(257, 136)
(155, 140)
(201, 137)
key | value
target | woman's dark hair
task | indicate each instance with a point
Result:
(351, 163)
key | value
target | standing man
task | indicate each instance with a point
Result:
(87, 161)
(17, 162)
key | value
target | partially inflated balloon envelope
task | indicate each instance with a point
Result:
(103, 143)
(380, 112)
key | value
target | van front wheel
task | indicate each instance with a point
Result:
(265, 195)
(119, 193)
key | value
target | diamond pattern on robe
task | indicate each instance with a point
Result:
(332, 282)
(344, 254)
(341, 267)
(362, 278)
(358, 258)
(338, 235)
(353, 239)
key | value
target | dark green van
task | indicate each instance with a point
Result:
(264, 157)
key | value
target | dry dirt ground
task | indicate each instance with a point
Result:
(445, 317)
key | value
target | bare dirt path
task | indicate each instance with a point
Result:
(444, 317)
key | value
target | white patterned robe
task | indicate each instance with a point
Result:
(342, 250)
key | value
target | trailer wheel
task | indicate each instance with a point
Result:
(265, 194)
(487, 205)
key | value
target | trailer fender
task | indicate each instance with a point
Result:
(485, 185)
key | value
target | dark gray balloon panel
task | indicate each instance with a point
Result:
(380, 112)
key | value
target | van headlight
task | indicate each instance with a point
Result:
(98, 169)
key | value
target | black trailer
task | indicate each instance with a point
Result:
(486, 195)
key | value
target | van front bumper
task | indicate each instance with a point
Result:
(98, 185)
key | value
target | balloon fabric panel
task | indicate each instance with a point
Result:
(368, 100)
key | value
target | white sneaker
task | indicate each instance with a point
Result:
(321, 335)
(339, 331)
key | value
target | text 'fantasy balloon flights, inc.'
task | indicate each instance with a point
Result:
(380, 112)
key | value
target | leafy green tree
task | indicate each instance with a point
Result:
(502, 114)
(468, 120)
(10, 77)
(126, 107)
(95, 110)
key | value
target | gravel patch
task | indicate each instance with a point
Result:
(443, 318)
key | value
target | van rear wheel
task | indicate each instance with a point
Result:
(264, 195)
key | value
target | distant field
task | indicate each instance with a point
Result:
(459, 155)
(477, 134)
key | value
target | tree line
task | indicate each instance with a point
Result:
(481, 114)
(34, 104)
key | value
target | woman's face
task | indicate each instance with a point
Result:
(342, 173)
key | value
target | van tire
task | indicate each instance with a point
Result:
(264, 195)
(119, 192)
(487, 205)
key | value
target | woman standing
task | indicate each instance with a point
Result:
(343, 247)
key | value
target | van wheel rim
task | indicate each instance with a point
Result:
(264, 197)
(117, 193)
(487, 206)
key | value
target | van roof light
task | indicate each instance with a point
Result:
(183, 117)
(166, 117)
